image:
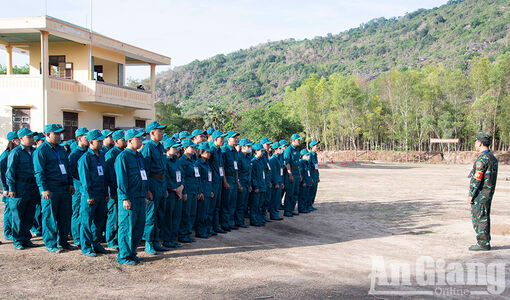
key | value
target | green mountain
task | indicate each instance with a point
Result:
(452, 34)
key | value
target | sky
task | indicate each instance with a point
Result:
(186, 30)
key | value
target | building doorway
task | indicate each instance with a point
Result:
(70, 125)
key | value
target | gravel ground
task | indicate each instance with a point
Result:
(397, 212)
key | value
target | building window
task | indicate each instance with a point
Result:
(140, 124)
(98, 73)
(108, 122)
(70, 125)
(57, 65)
(20, 118)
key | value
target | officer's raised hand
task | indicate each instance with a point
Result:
(12, 194)
(90, 201)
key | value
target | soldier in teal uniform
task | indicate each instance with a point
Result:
(23, 193)
(108, 141)
(132, 194)
(283, 146)
(217, 168)
(209, 132)
(94, 194)
(481, 190)
(76, 154)
(174, 184)
(266, 198)
(276, 182)
(112, 207)
(306, 182)
(53, 177)
(13, 142)
(202, 222)
(291, 160)
(192, 190)
(258, 186)
(230, 182)
(244, 164)
(37, 224)
(314, 168)
(153, 154)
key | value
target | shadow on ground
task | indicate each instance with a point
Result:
(333, 222)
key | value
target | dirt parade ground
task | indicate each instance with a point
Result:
(367, 213)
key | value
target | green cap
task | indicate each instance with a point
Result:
(485, 138)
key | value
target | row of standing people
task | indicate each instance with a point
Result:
(159, 190)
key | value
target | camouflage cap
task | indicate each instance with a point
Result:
(485, 138)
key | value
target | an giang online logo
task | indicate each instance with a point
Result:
(436, 277)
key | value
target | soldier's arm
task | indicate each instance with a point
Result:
(39, 167)
(477, 180)
(10, 175)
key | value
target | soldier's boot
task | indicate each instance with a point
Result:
(477, 247)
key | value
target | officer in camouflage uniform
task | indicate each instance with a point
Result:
(481, 190)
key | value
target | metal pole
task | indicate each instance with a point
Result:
(90, 50)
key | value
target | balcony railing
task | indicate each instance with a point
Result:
(27, 87)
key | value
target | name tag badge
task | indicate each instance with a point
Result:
(221, 171)
(316, 166)
(281, 171)
(178, 176)
(209, 176)
(235, 164)
(143, 174)
(62, 169)
(263, 175)
(197, 173)
(308, 172)
(268, 167)
(100, 170)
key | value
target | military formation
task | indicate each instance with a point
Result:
(122, 188)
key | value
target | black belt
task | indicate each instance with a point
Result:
(315, 171)
(294, 167)
(267, 171)
(156, 175)
(230, 174)
(27, 180)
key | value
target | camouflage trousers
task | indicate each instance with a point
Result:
(480, 216)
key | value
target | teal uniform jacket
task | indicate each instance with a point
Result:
(3, 169)
(174, 174)
(267, 168)
(92, 170)
(304, 167)
(110, 158)
(314, 166)
(20, 167)
(291, 156)
(276, 170)
(187, 165)
(205, 177)
(216, 162)
(103, 151)
(48, 173)
(230, 160)
(75, 155)
(153, 157)
(244, 169)
(258, 181)
(128, 167)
